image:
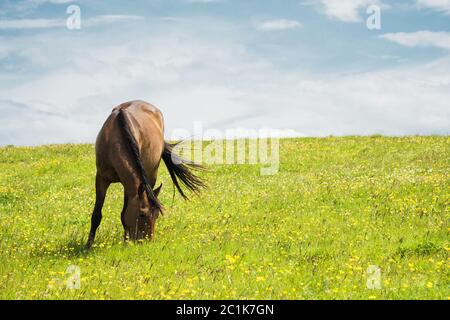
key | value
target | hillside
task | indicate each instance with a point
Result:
(336, 207)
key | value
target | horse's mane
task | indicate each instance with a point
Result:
(136, 155)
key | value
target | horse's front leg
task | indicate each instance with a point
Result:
(101, 186)
(122, 215)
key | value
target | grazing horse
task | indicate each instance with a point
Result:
(129, 149)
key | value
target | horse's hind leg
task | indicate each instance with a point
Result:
(101, 186)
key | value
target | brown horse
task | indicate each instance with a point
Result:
(129, 149)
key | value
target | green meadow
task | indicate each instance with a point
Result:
(344, 218)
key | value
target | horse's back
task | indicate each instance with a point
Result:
(142, 110)
(146, 123)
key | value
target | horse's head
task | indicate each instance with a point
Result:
(140, 215)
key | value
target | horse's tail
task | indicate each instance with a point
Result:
(122, 117)
(180, 168)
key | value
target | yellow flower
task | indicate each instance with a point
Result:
(231, 259)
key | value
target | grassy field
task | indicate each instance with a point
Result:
(337, 206)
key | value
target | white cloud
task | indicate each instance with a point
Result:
(54, 23)
(21, 124)
(106, 19)
(24, 7)
(31, 23)
(420, 39)
(440, 5)
(280, 24)
(345, 10)
(192, 74)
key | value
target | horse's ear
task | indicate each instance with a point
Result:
(157, 190)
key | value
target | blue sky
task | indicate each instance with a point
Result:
(309, 68)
